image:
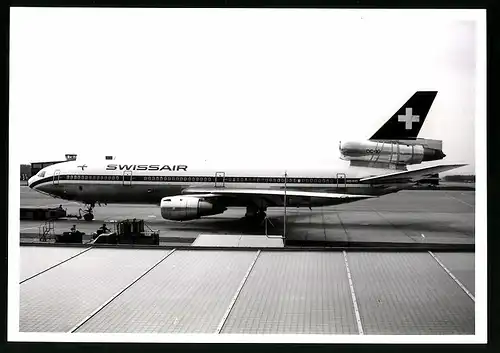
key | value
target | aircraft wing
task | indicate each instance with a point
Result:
(207, 192)
(272, 197)
(409, 175)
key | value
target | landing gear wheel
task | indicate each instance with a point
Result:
(88, 217)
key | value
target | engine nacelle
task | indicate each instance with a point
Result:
(386, 152)
(185, 208)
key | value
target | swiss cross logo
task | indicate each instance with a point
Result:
(409, 118)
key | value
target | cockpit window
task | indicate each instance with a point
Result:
(41, 174)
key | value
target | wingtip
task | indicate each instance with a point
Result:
(347, 196)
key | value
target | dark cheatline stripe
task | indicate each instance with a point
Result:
(197, 179)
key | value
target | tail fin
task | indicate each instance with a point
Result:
(408, 120)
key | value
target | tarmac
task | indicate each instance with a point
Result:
(302, 288)
(406, 218)
(116, 290)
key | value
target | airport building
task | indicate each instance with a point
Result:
(25, 171)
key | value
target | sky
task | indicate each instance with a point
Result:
(247, 87)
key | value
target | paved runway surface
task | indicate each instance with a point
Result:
(97, 290)
(442, 217)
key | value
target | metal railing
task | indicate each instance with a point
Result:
(45, 229)
(283, 237)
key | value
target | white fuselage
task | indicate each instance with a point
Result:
(120, 182)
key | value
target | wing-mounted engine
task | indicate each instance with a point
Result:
(391, 154)
(185, 208)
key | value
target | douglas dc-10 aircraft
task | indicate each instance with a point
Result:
(186, 192)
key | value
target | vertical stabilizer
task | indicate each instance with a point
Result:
(406, 123)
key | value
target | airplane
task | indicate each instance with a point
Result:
(186, 192)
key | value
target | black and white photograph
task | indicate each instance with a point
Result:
(247, 175)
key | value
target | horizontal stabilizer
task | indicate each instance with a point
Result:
(410, 175)
(380, 165)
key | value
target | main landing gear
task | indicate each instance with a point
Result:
(255, 214)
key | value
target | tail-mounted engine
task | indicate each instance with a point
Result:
(185, 208)
(395, 153)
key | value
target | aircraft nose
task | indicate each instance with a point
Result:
(30, 182)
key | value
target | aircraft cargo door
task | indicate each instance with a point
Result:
(127, 178)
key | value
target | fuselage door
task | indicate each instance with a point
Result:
(127, 178)
(341, 180)
(219, 179)
(55, 178)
